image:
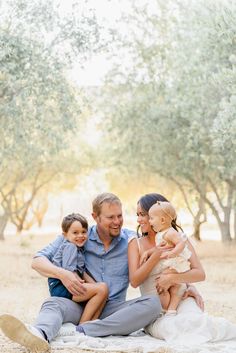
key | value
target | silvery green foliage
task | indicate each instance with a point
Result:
(176, 95)
(38, 105)
(39, 108)
(224, 139)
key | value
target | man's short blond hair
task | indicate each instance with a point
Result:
(104, 197)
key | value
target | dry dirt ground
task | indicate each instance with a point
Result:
(23, 290)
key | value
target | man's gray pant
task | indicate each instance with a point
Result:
(117, 318)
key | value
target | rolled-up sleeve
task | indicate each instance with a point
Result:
(50, 250)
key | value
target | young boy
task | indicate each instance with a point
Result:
(70, 256)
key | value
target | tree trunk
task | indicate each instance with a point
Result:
(198, 219)
(225, 226)
(197, 222)
(19, 228)
(196, 229)
(225, 234)
(235, 223)
(3, 224)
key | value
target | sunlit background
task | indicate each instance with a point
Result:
(123, 96)
(126, 96)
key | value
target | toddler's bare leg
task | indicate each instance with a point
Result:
(165, 299)
(175, 297)
(96, 294)
(175, 294)
(103, 295)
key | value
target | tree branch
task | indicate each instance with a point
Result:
(184, 194)
(216, 193)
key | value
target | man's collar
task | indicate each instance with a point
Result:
(94, 234)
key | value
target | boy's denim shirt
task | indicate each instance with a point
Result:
(109, 266)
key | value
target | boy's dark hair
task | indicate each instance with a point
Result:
(71, 218)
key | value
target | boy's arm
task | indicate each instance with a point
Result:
(68, 256)
(42, 259)
(71, 280)
(50, 250)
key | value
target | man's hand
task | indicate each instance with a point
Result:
(191, 291)
(73, 283)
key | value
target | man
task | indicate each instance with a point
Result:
(106, 260)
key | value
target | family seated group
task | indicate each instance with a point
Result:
(89, 270)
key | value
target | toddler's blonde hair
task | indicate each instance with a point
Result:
(167, 208)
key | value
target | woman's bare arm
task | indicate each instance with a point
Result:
(137, 275)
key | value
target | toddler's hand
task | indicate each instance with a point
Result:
(167, 255)
(163, 243)
(164, 246)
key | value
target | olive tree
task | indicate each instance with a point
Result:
(167, 104)
(40, 109)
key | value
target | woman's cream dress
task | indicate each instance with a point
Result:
(190, 326)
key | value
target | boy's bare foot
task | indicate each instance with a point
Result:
(28, 337)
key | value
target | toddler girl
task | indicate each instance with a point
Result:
(175, 254)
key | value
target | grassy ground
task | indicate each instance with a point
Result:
(23, 290)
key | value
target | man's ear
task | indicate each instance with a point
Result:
(94, 215)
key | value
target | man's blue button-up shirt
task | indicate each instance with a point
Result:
(109, 266)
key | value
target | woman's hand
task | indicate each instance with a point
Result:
(164, 282)
(145, 256)
(192, 291)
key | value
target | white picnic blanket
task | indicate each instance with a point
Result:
(138, 342)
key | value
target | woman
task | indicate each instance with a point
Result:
(190, 325)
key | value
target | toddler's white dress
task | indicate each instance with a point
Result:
(179, 263)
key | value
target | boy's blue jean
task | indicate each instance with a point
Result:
(57, 289)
